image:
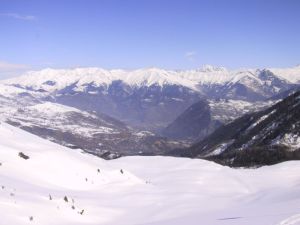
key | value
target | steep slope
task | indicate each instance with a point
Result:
(44, 183)
(265, 137)
(226, 110)
(285, 94)
(193, 123)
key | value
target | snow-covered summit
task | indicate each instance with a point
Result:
(56, 79)
(210, 68)
(155, 76)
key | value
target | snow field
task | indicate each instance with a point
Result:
(137, 190)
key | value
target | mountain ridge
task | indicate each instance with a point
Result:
(148, 98)
(147, 76)
(264, 137)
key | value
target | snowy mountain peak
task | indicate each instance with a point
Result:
(242, 76)
(208, 79)
(55, 79)
(210, 68)
(155, 76)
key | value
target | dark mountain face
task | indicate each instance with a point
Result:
(204, 117)
(144, 107)
(194, 123)
(286, 93)
(265, 137)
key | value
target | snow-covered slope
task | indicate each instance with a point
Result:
(58, 186)
(228, 110)
(57, 117)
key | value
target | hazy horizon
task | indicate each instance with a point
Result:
(138, 34)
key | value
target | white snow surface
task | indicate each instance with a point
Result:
(53, 108)
(137, 190)
(9, 91)
(55, 116)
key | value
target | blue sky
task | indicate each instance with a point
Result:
(172, 34)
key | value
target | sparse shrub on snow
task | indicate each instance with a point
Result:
(22, 155)
(66, 199)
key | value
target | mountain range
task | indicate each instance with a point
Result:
(146, 111)
(152, 98)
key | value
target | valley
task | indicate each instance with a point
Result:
(113, 113)
(141, 112)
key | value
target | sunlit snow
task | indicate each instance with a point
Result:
(57, 185)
